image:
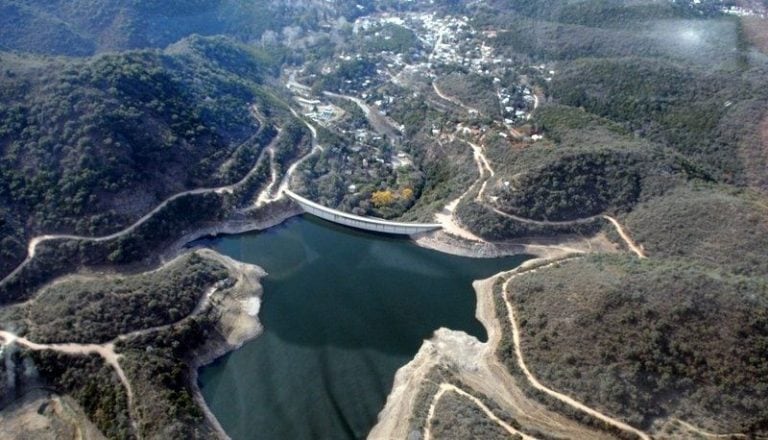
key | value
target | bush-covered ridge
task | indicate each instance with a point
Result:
(89, 146)
(685, 341)
(85, 311)
(78, 28)
(722, 227)
(685, 108)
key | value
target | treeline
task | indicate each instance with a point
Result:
(545, 41)
(490, 225)
(577, 186)
(599, 13)
(98, 311)
(684, 108)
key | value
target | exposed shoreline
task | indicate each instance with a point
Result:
(542, 247)
(240, 322)
(439, 241)
(475, 364)
(231, 334)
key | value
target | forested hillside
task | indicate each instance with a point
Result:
(89, 146)
(628, 137)
(642, 98)
(85, 27)
(659, 118)
(651, 339)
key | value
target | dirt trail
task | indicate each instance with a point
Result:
(34, 242)
(447, 387)
(446, 216)
(701, 432)
(485, 168)
(450, 225)
(284, 184)
(634, 247)
(265, 195)
(437, 90)
(247, 280)
(544, 222)
(475, 364)
(631, 244)
(453, 100)
(538, 385)
(106, 351)
(536, 99)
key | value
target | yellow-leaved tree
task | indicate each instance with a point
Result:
(382, 198)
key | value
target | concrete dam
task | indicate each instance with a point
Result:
(360, 222)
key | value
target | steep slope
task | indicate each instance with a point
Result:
(88, 146)
(85, 27)
(685, 341)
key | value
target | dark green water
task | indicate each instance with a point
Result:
(342, 311)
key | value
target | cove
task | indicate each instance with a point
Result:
(342, 310)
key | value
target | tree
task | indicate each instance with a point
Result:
(382, 198)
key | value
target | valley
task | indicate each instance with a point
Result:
(595, 171)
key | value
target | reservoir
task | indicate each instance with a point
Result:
(342, 310)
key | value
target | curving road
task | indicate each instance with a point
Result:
(106, 351)
(535, 382)
(245, 281)
(285, 183)
(703, 433)
(634, 247)
(380, 123)
(447, 387)
(446, 216)
(34, 242)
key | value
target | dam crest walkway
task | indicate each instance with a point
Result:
(360, 222)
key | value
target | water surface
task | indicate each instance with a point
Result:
(342, 311)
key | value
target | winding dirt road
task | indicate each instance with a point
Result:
(631, 244)
(535, 382)
(529, 221)
(453, 100)
(698, 431)
(265, 196)
(634, 247)
(34, 242)
(106, 351)
(285, 183)
(447, 387)
(446, 216)
(247, 279)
